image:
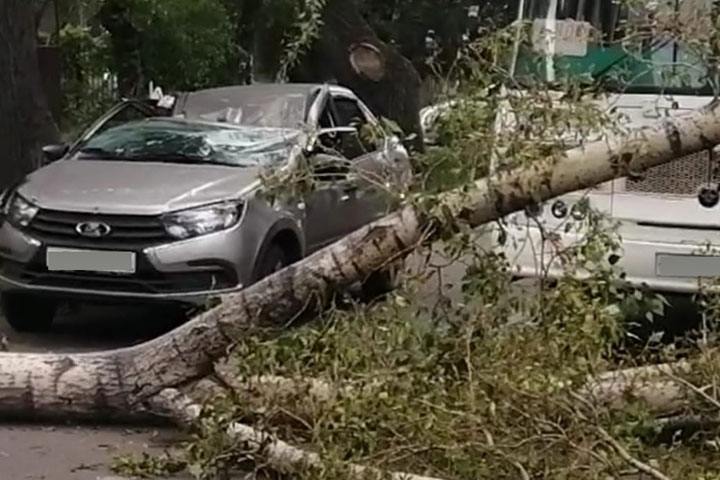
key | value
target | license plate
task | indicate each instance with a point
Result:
(669, 265)
(68, 260)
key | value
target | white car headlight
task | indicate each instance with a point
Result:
(203, 220)
(20, 212)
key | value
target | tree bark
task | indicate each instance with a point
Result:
(121, 383)
(393, 91)
(653, 386)
(26, 124)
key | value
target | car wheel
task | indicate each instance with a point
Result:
(382, 282)
(274, 259)
(28, 313)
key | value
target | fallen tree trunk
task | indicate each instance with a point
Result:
(654, 386)
(121, 383)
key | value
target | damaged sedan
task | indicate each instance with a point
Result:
(166, 203)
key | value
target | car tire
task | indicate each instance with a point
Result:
(275, 258)
(28, 313)
(380, 283)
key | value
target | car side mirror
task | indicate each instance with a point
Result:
(52, 153)
(314, 144)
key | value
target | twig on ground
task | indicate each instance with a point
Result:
(643, 467)
(281, 456)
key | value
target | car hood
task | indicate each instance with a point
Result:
(117, 187)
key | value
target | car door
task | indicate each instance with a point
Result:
(325, 206)
(366, 193)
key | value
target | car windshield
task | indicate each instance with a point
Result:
(181, 141)
(587, 40)
(273, 106)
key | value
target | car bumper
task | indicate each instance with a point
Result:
(639, 256)
(189, 271)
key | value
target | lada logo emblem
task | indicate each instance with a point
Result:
(93, 229)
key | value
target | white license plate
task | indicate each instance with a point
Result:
(669, 265)
(69, 260)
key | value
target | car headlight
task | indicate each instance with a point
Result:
(20, 212)
(203, 220)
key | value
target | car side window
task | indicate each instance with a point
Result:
(351, 115)
(327, 120)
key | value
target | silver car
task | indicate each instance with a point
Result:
(165, 203)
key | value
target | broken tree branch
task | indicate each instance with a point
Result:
(280, 456)
(625, 455)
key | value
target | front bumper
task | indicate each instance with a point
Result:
(190, 271)
(530, 257)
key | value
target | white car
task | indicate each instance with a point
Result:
(669, 239)
(668, 236)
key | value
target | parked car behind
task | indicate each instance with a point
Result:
(163, 205)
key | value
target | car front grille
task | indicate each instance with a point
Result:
(147, 280)
(684, 176)
(127, 232)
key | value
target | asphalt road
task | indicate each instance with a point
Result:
(32, 452)
(91, 329)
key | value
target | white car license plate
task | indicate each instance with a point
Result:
(669, 265)
(69, 260)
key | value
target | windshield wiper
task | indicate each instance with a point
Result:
(170, 158)
(95, 152)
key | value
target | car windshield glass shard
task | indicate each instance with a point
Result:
(185, 141)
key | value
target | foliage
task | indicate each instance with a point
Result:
(301, 35)
(87, 83)
(158, 39)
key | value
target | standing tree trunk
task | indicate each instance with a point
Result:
(125, 41)
(347, 52)
(350, 52)
(25, 120)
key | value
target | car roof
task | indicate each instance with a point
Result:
(202, 102)
(262, 89)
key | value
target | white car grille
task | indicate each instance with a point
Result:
(684, 176)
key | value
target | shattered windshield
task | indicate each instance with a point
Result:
(181, 141)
